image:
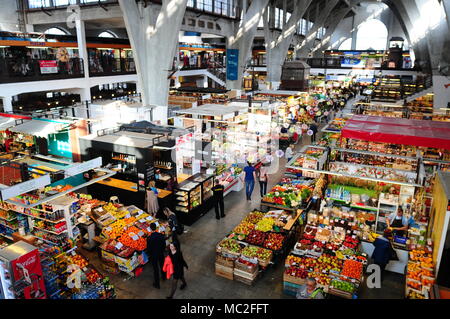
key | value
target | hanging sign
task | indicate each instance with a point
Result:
(48, 66)
(232, 64)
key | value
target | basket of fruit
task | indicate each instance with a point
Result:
(342, 288)
(256, 237)
(295, 275)
(230, 247)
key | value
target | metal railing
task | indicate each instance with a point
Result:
(105, 66)
(24, 69)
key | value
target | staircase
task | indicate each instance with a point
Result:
(216, 73)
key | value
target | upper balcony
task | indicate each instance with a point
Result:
(13, 70)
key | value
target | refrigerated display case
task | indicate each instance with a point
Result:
(21, 274)
(194, 197)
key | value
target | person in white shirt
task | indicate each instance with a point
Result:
(263, 177)
(289, 153)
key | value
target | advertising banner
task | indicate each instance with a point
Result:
(48, 66)
(352, 62)
(232, 64)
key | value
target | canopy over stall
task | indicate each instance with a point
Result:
(398, 131)
(41, 128)
(216, 110)
(6, 122)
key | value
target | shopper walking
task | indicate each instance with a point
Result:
(263, 178)
(179, 264)
(289, 153)
(156, 246)
(175, 227)
(218, 190)
(313, 128)
(250, 177)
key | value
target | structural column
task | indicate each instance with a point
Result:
(7, 104)
(82, 48)
(242, 40)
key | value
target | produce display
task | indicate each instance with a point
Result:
(420, 275)
(290, 195)
(330, 255)
(373, 172)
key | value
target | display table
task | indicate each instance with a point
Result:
(118, 183)
(397, 266)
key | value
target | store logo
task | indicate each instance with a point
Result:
(28, 262)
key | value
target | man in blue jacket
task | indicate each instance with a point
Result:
(382, 253)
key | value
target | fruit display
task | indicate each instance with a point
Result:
(244, 228)
(131, 238)
(254, 217)
(352, 269)
(343, 285)
(230, 245)
(79, 261)
(256, 237)
(93, 276)
(257, 252)
(265, 224)
(296, 272)
(274, 241)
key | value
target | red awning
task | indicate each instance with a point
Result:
(398, 131)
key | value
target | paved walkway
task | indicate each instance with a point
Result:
(198, 246)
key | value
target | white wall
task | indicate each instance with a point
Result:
(8, 16)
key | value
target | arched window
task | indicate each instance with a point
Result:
(107, 34)
(346, 44)
(57, 31)
(372, 34)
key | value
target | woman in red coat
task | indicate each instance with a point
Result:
(178, 268)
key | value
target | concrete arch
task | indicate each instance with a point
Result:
(114, 35)
(66, 32)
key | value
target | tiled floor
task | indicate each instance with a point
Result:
(198, 246)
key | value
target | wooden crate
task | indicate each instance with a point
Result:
(225, 272)
(294, 280)
(224, 261)
(245, 277)
(340, 293)
(245, 268)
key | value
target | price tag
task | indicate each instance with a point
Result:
(108, 228)
(141, 233)
(127, 215)
(149, 229)
(100, 209)
(149, 218)
(142, 220)
(118, 245)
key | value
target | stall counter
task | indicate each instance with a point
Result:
(130, 186)
(397, 266)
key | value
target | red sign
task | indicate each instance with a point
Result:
(31, 264)
(48, 66)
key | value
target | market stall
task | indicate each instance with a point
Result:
(258, 241)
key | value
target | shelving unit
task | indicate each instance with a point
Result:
(194, 198)
(385, 208)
